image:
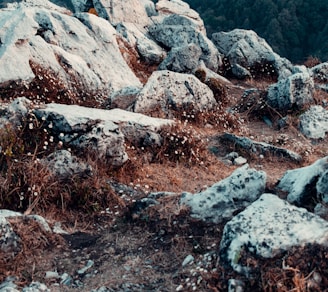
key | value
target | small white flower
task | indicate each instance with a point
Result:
(30, 126)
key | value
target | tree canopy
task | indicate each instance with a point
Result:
(296, 29)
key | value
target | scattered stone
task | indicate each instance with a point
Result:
(236, 285)
(83, 270)
(36, 287)
(222, 200)
(66, 279)
(52, 275)
(314, 122)
(265, 229)
(188, 260)
(240, 161)
(259, 147)
(294, 91)
(8, 285)
(300, 183)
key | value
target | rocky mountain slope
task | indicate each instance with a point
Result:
(137, 154)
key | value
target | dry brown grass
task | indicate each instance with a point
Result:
(34, 242)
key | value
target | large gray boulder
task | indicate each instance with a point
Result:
(314, 122)
(300, 184)
(244, 48)
(179, 31)
(223, 199)
(267, 228)
(99, 129)
(166, 93)
(294, 91)
(80, 53)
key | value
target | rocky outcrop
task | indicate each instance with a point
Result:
(222, 200)
(167, 93)
(267, 228)
(314, 122)
(300, 184)
(80, 52)
(295, 91)
(250, 55)
(175, 31)
(101, 130)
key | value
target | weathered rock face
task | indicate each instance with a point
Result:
(294, 91)
(167, 92)
(320, 72)
(322, 187)
(175, 31)
(138, 37)
(166, 7)
(301, 183)
(182, 59)
(266, 228)
(244, 48)
(223, 199)
(122, 11)
(314, 122)
(81, 51)
(9, 241)
(63, 165)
